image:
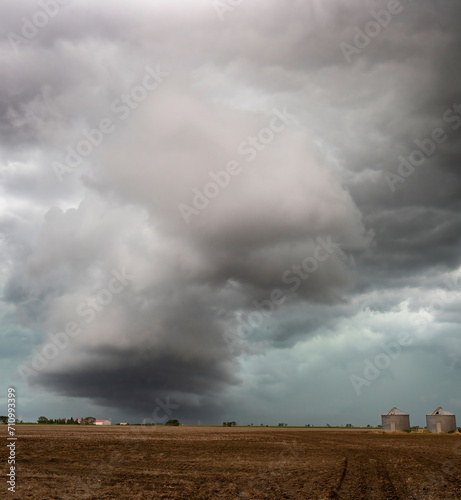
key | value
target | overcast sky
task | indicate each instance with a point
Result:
(224, 210)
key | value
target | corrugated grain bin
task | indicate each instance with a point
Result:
(395, 420)
(441, 420)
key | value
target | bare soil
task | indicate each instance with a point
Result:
(89, 462)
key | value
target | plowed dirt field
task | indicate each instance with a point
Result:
(95, 462)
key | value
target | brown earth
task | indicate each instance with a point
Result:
(90, 462)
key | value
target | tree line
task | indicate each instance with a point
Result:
(4, 420)
(68, 421)
(45, 420)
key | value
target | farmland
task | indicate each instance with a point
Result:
(135, 462)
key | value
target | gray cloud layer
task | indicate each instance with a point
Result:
(327, 173)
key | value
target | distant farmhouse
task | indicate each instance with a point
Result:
(102, 422)
(97, 422)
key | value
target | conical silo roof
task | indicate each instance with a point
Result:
(395, 411)
(440, 411)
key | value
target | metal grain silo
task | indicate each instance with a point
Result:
(441, 420)
(395, 420)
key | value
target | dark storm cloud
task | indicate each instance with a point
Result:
(140, 378)
(322, 176)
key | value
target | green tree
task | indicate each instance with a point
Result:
(172, 421)
(3, 419)
(42, 420)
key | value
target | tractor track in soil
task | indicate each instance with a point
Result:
(364, 479)
(74, 462)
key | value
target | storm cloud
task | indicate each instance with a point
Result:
(282, 206)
